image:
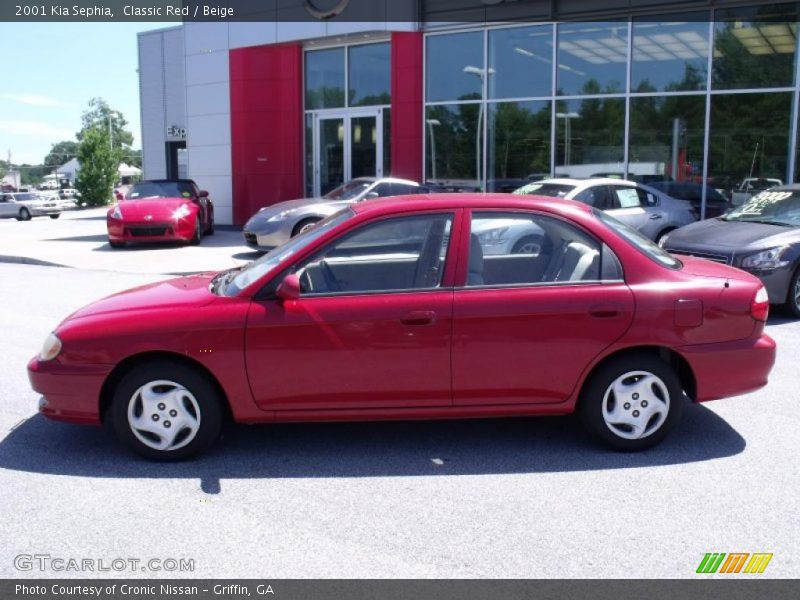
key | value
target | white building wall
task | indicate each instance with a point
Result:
(208, 130)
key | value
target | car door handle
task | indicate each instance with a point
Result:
(656, 216)
(419, 317)
(605, 311)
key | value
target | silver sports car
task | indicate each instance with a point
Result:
(274, 225)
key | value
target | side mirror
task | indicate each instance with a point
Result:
(202, 194)
(289, 288)
(371, 196)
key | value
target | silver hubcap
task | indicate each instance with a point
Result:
(529, 248)
(635, 405)
(797, 292)
(164, 415)
(306, 227)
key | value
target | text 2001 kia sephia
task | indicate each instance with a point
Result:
(397, 309)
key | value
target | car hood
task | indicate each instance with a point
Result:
(181, 292)
(700, 267)
(157, 208)
(320, 206)
(718, 233)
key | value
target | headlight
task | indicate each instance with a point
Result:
(493, 236)
(279, 216)
(766, 259)
(50, 348)
(181, 212)
(117, 214)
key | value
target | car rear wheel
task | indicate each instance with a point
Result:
(166, 411)
(631, 403)
(304, 226)
(24, 214)
(793, 298)
(55, 216)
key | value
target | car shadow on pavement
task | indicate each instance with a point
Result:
(80, 238)
(376, 449)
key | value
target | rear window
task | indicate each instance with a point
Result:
(640, 242)
(555, 190)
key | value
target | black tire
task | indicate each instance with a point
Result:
(55, 216)
(114, 244)
(305, 223)
(198, 232)
(593, 399)
(207, 404)
(792, 305)
(24, 214)
(528, 240)
(210, 230)
(661, 234)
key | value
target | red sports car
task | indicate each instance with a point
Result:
(406, 309)
(161, 210)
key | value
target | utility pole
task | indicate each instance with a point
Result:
(110, 133)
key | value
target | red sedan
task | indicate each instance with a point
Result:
(161, 210)
(419, 308)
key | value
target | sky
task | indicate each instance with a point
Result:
(50, 71)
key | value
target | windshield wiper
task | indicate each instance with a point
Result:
(765, 222)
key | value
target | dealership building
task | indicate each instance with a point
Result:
(470, 94)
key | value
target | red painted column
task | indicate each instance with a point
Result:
(407, 105)
(266, 126)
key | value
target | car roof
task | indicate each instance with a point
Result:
(165, 181)
(584, 182)
(499, 202)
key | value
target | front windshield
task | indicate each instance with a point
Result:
(775, 207)
(554, 190)
(641, 243)
(146, 190)
(349, 190)
(256, 269)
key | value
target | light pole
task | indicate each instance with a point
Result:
(431, 123)
(567, 133)
(478, 72)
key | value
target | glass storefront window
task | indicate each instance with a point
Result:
(669, 55)
(592, 58)
(454, 66)
(325, 78)
(749, 138)
(521, 62)
(453, 148)
(755, 47)
(518, 143)
(590, 137)
(666, 138)
(370, 74)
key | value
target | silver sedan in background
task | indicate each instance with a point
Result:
(651, 212)
(24, 205)
(274, 225)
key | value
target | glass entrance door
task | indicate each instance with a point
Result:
(347, 145)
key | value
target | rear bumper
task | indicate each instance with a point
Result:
(730, 369)
(69, 393)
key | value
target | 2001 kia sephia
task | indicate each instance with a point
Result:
(407, 309)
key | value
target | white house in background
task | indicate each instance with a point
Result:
(69, 170)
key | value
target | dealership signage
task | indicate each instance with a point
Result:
(174, 131)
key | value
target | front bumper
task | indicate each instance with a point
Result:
(267, 235)
(732, 368)
(776, 281)
(149, 231)
(42, 211)
(69, 393)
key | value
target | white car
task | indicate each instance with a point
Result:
(24, 205)
(651, 212)
(750, 187)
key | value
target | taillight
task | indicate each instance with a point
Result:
(760, 306)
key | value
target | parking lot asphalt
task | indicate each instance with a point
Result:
(78, 239)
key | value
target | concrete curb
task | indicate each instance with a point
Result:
(26, 260)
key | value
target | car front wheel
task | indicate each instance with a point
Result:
(166, 411)
(632, 402)
(304, 226)
(198, 232)
(793, 297)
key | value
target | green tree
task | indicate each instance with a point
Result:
(99, 164)
(98, 116)
(61, 153)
